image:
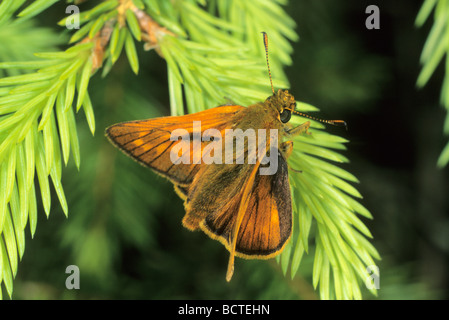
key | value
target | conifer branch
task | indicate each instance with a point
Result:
(211, 58)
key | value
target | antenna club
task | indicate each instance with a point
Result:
(332, 122)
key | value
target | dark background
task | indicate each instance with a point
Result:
(366, 77)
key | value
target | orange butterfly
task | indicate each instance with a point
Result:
(234, 202)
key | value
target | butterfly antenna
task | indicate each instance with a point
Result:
(265, 42)
(339, 123)
(332, 122)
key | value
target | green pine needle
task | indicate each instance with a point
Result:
(131, 53)
(133, 24)
(435, 49)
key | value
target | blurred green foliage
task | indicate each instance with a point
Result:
(434, 51)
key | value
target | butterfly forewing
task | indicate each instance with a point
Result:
(148, 141)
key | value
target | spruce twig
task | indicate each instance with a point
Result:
(212, 55)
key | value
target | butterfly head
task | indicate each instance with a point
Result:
(284, 103)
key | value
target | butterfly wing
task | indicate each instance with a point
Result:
(148, 141)
(249, 213)
(266, 224)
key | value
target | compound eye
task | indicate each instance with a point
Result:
(285, 115)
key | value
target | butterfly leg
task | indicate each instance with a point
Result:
(286, 149)
(292, 132)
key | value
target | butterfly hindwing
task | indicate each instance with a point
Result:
(218, 188)
(266, 225)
